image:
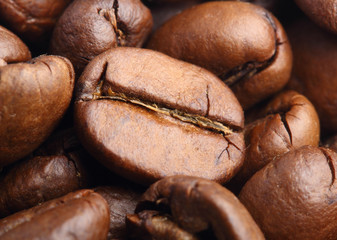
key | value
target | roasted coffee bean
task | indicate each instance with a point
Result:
(182, 207)
(88, 28)
(322, 12)
(31, 19)
(289, 121)
(12, 48)
(56, 169)
(33, 98)
(241, 43)
(145, 116)
(122, 200)
(314, 72)
(80, 215)
(294, 197)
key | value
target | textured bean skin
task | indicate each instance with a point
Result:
(139, 123)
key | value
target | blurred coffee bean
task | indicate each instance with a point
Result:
(322, 12)
(33, 20)
(289, 121)
(294, 197)
(12, 48)
(122, 200)
(80, 215)
(54, 170)
(33, 98)
(315, 72)
(242, 43)
(145, 116)
(182, 207)
(88, 28)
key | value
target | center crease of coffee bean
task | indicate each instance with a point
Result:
(249, 69)
(198, 120)
(111, 15)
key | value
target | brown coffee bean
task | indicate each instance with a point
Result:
(322, 12)
(314, 72)
(12, 48)
(80, 215)
(88, 28)
(182, 207)
(294, 197)
(33, 98)
(289, 121)
(31, 19)
(122, 200)
(241, 43)
(56, 169)
(145, 116)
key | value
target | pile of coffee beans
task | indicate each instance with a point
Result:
(168, 119)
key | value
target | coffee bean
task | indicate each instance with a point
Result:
(145, 115)
(242, 43)
(33, 20)
(88, 28)
(79, 215)
(33, 97)
(182, 207)
(122, 200)
(289, 121)
(294, 197)
(322, 12)
(314, 72)
(12, 48)
(55, 169)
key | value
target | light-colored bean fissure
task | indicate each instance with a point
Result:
(198, 120)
